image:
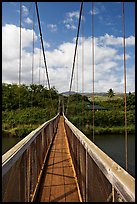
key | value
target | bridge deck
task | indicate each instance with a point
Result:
(58, 181)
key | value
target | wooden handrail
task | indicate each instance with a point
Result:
(122, 181)
(11, 156)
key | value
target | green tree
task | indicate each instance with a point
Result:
(110, 93)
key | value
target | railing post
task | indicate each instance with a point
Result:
(104, 179)
(28, 175)
(86, 176)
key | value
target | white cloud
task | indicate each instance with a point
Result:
(130, 79)
(118, 41)
(46, 44)
(121, 57)
(73, 14)
(28, 20)
(95, 11)
(10, 51)
(72, 27)
(12, 41)
(24, 10)
(52, 27)
(71, 20)
(108, 62)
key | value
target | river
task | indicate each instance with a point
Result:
(113, 145)
(8, 142)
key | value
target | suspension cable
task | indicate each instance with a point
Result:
(33, 45)
(39, 62)
(42, 44)
(93, 63)
(83, 70)
(77, 71)
(20, 49)
(80, 14)
(39, 76)
(44, 78)
(20, 44)
(124, 47)
(43, 52)
(74, 81)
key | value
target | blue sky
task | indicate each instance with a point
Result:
(59, 22)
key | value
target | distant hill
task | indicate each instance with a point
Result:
(67, 93)
(85, 94)
(88, 94)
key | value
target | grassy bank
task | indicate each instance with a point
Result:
(19, 131)
(109, 130)
(36, 109)
(19, 123)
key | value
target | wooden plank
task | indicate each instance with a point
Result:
(59, 183)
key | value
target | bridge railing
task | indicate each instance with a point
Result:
(99, 178)
(22, 165)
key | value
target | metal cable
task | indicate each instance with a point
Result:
(80, 14)
(43, 52)
(124, 47)
(39, 76)
(74, 82)
(42, 44)
(20, 49)
(33, 54)
(83, 71)
(77, 70)
(39, 63)
(93, 63)
(33, 45)
(20, 44)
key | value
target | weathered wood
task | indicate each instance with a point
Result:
(59, 183)
(98, 176)
(11, 156)
(122, 181)
(35, 148)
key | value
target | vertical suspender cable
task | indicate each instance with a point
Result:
(20, 51)
(33, 53)
(83, 71)
(74, 82)
(39, 76)
(80, 13)
(93, 63)
(77, 78)
(33, 45)
(39, 63)
(44, 78)
(77, 70)
(124, 47)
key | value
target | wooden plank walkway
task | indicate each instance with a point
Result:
(58, 181)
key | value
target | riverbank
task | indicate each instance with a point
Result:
(20, 131)
(23, 130)
(109, 130)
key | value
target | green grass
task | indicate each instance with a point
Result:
(19, 130)
(105, 98)
(109, 130)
